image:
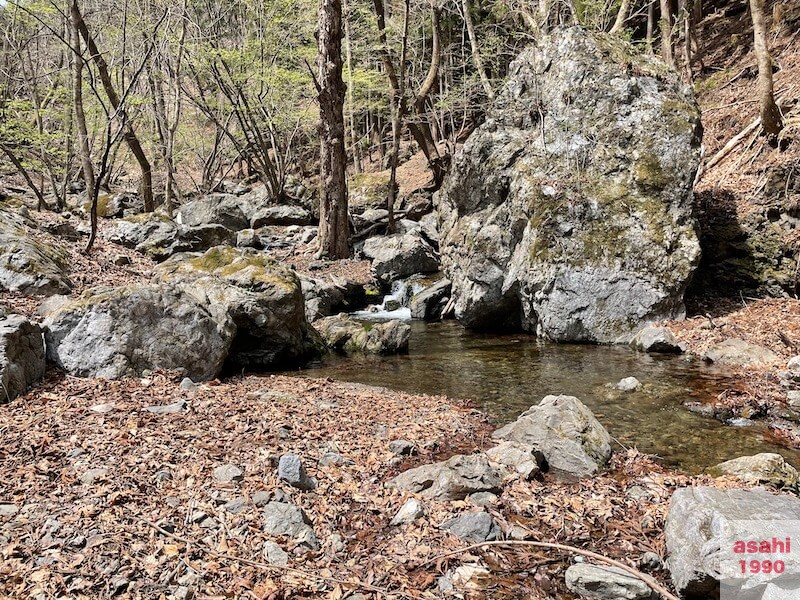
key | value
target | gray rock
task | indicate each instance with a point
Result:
(628, 384)
(334, 458)
(520, 458)
(167, 409)
(104, 408)
(656, 339)
(120, 332)
(738, 352)
(483, 499)
(261, 498)
(474, 527)
(794, 365)
(291, 470)
(187, 384)
(430, 228)
(329, 296)
(700, 522)
(793, 398)
(569, 211)
(429, 304)
(764, 468)
(22, 356)
(565, 431)
(248, 238)
(121, 260)
(8, 510)
(216, 209)
(228, 473)
(28, 266)
(347, 336)
(400, 255)
(236, 505)
(606, 583)
(410, 511)
(402, 447)
(92, 475)
(651, 561)
(275, 555)
(261, 297)
(453, 479)
(280, 215)
(281, 518)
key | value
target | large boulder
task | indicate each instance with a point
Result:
(21, 356)
(430, 303)
(283, 214)
(453, 479)
(214, 209)
(28, 266)
(569, 211)
(400, 255)
(702, 527)
(120, 332)
(766, 467)
(345, 335)
(566, 433)
(261, 296)
(327, 296)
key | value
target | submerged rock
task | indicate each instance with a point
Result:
(656, 339)
(121, 332)
(569, 211)
(22, 359)
(401, 255)
(453, 479)
(566, 433)
(345, 335)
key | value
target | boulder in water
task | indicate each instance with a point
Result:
(569, 211)
(345, 335)
(430, 303)
(400, 255)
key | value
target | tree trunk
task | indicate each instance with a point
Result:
(77, 101)
(129, 135)
(476, 54)
(666, 33)
(651, 18)
(354, 139)
(622, 16)
(771, 119)
(333, 225)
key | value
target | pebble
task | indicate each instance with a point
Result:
(236, 505)
(187, 384)
(291, 470)
(167, 409)
(410, 511)
(102, 408)
(92, 475)
(402, 447)
(275, 555)
(228, 473)
(628, 384)
(8, 510)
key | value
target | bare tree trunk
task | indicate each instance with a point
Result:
(333, 225)
(622, 15)
(651, 18)
(476, 54)
(354, 139)
(80, 115)
(129, 134)
(771, 119)
(666, 33)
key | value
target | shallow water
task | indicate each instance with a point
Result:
(505, 375)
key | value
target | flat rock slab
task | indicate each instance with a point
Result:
(740, 353)
(606, 583)
(453, 479)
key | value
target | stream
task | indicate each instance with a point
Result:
(506, 374)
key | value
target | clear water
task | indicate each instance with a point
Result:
(396, 304)
(505, 375)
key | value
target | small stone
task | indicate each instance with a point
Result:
(119, 585)
(236, 505)
(183, 593)
(793, 398)
(483, 498)
(282, 518)
(121, 260)
(228, 473)
(102, 408)
(410, 511)
(8, 510)
(335, 543)
(334, 458)
(275, 555)
(628, 384)
(291, 470)
(474, 527)
(92, 475)
(637, 492)
(167, 409)
(650, 561)
(260, 498)
(515, 532)
(794, 365)
(402, 447)
(187, 384)
(471, 577)
(605, 583)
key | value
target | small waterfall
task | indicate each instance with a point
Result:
(395, 305)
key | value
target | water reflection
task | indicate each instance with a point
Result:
(507, 374)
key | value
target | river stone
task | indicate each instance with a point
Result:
(740, 353)
(260, 296)
(606, 583)
(430, 303)
(217, 209)
(400, 255)
(122, 332)
(520, 458)
(764, 468)
(656, 339)
(280, 215)
(282, 518)
(628, 384)
(569, 211)
(478, 526)
(565, 431)
(22, 357)
(28, 266)
(697, 525)
(410, 511)
(291, 470)
(347, 336)
(453, 479)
